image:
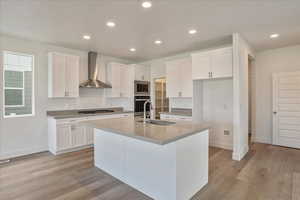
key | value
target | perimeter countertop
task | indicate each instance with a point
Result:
(131, 127)
(65, 114)
(179, 112)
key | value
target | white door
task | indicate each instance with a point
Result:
(173, 79)
(221, 63)
(286, 109)
(63, 137)
(127, 81)
(72, 76)
(78, 135)
(89, 135)
(116, 80)
(201, 66)
(186, 77)
(142, 73)
(58, 71)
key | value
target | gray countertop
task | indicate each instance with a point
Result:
(179, 111)
(65, 114)
(130, 127)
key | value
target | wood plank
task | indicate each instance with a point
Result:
(266, 173)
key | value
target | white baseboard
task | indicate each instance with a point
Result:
(220, 145)
(240, 155)
(262, 140)
(72, 149)
(22, 152)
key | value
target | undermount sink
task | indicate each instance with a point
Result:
(157, 122)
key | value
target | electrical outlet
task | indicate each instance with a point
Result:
(226, 132)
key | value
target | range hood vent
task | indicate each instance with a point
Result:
(92, 81)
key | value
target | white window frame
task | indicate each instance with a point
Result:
(15, 88)
(33, 84)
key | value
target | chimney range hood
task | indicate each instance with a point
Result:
(92, 81)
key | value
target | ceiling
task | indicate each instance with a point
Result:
(64, 22)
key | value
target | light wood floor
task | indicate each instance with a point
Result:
(267, 173)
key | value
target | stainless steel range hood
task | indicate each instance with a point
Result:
(92, 81)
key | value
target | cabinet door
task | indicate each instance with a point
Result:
(201, 66)
(173, 79)
(186, 77)
(141, 73)
(72, 76)
(115, 80)
(221, 62)
(63, 137)
(78, 136)
(57, 74)
(89, 133)
(127, 81)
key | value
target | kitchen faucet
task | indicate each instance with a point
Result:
(145, 111)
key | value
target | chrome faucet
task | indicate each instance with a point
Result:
(145, 111)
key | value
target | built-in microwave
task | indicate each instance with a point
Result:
(142, 88)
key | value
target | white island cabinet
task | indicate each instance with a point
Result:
(172, 169)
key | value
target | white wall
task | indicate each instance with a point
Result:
(218, 109)
(213, 102)
(272, 61)
(26, 135)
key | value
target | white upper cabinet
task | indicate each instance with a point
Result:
(72, 72)
(63, 72)
(212, 64)
(186, 77)
(141, 72)
(179, 78)
(201, 66)
(121, 78)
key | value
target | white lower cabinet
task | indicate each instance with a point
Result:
(63, 139)
(89, 135)
(66, 135)
(78, 135)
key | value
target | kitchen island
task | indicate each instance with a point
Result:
(165, 162)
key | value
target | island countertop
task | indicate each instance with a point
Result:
(131, 127)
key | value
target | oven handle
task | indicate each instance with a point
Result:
(141, 99)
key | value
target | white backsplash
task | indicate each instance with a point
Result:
(181, 103)
(89, 98)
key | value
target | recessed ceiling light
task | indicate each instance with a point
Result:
(147, 4)
(158, 42)
(86, 37)
(275, 35)
(192, 31)
(110, 24)
(132, 49)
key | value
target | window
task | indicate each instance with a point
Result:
(18, 84)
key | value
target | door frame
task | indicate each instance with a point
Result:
(275, 78)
